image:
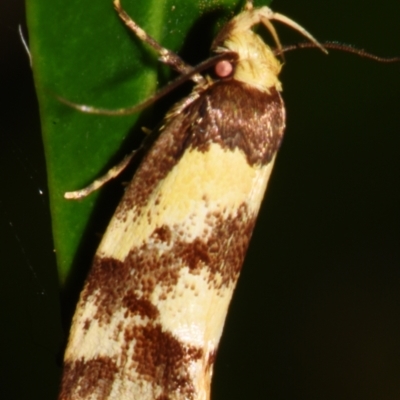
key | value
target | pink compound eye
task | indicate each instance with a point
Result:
(223, 69)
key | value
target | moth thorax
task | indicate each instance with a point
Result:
(257, 66)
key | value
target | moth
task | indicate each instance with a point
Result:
(151, 314)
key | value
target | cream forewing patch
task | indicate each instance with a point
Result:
(200, 183)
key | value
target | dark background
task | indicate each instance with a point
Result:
(316, 311)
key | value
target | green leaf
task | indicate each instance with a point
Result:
(83, 52)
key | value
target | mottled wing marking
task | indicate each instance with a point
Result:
(151, 314)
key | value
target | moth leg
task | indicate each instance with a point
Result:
(98, 183)
(166, 56)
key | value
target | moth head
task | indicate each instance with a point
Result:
(256, 63)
